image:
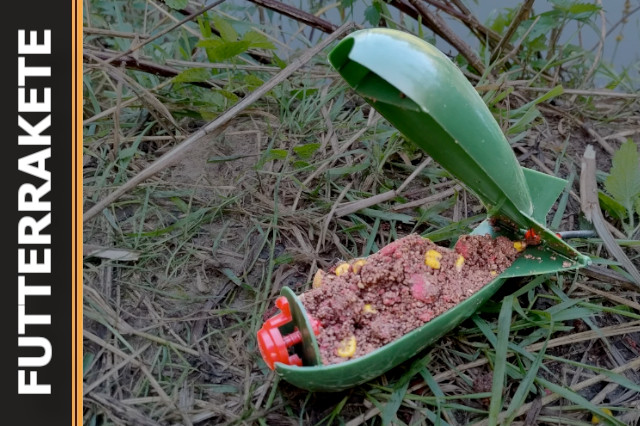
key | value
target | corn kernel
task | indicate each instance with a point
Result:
(368, 309)
(342, 269)
(347, 347)
(317, 279)
(459, 263)
(595, 419)
(493, 273)
(519, 245)
(434, 253)
(432, 259)
(357, 265)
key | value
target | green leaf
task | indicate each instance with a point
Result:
(575, 10)
(526, 384)
(502, 19)
(252, 81)
(454, 229)
(307, 150)
(395, 400)
(220, 50)
(193, 75)
(614, 377)
(228, 95)
(438, 393)
(623, 182)
(203, 24)
(577, 399)
(87, 359)
(226, 30)
(299, 164)
(210, 43)
(211, 98)
(348, 170)
(276, 154)
(225, 158)
(279, 62)
(499, 369)
(400, 389)
(257, 40)
(546, 22)
(580, 8)
(372, 15)
(556, 91)
(176, 4)
(523, 122)
(611, 206)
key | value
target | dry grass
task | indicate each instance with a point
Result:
(199, 252)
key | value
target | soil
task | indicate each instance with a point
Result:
(366, 303)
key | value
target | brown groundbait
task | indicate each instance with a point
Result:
(367, 303)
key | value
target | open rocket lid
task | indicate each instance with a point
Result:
(428, 99)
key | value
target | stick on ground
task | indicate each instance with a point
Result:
(591, 209)
(222, 120)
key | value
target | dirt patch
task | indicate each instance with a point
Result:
(367, 303)
(214, 167)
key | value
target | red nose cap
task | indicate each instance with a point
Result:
(274, 347)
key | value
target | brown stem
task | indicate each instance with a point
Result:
(137, 64)
(440, 27)
(297, 14)
(523, 13)
(405, 8)
(466, 17)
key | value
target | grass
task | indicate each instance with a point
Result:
(169, 338)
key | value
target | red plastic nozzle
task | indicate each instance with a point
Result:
(274, 347)
(532, 238)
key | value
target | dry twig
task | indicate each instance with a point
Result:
(354, 206)
(591, 209)
(297, 14)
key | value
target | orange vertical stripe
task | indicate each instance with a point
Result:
(76, 273)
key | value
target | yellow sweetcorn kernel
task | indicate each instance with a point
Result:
(433, 253)
(368, 309)
(432, 259)
(519, 245)
(595, 419)
(317, 279)
(459, 263)
(493, 273)
(342, 269)
(347, 347)
(357, 265)
(432, 263)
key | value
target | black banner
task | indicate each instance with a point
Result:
(38, 372)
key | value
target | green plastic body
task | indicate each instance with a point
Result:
(331, 378)
(428, 99)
